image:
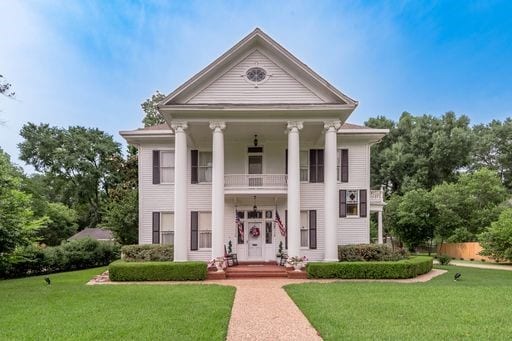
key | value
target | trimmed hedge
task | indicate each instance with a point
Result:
(157, 271)
(149, 252)
(406, 268)
(73, 255)
(369, 252)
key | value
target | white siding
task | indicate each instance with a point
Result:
(152, 198)
(232, 87)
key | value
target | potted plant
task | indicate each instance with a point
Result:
(297, 262)
(280, 254)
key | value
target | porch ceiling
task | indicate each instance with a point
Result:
(201, 134)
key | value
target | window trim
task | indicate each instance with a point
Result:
(356, 191)
(306, 151)
(162, 225)
(199, 248)
(199, 165)
(160, 167)
(305, 229)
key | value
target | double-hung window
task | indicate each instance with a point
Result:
(166, 228)
(205, 230)
(304, 229)
(352, 203)
(304, 165)
(205, 166)
(166, 167)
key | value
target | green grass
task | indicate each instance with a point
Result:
(71, 310)
(477, 307)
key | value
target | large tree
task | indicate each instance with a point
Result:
(420, 151)
(151, 115)
(497, 240)
(493, 148)
(85, 159)
(18, 225)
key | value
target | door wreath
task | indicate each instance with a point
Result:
(254, 231)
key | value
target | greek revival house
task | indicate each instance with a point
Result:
(256, 150)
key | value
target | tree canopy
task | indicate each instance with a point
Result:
(149, 107)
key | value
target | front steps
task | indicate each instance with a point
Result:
(248, 270)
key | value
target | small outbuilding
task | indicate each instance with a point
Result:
(97, 233)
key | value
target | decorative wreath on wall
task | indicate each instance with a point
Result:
(254, 231)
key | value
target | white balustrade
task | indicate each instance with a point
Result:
(376, 196)
(256, 181)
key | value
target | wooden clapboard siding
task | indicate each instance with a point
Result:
(152, 198)
(231, 87)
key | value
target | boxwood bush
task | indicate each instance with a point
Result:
(72, 255)
(406, 268)
(369, 252)
(157, 271)
(148, 252)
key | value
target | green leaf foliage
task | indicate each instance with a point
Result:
(497, 240)
(150, 107)
(84, 160)
(157, 271)
(406, 268)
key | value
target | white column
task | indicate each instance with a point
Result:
(180, 191)
(293, 189)
(330, 189)
(218, 189)
(379, 226)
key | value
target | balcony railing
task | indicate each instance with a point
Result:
(377, 196)
(255, 181)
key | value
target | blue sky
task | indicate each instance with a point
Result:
(92, 63)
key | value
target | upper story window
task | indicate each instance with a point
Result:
(304, 165)
(166, 167)
(256, 74)
(205, 167)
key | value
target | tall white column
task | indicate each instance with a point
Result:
(330, 189)
(180, 191)
(218, 189)
(379, 227)
(293, 189)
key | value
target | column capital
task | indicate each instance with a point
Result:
(294, 125)
(217, 125)
(179, 125)
(336, 124)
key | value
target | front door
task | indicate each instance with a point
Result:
(255, 240)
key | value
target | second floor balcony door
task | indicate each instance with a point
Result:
(255, 169)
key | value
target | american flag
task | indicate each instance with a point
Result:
(279, 223)
(240, 226)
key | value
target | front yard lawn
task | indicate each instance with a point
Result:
(71, 310)
(477, 307)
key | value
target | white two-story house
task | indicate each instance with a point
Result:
(256, 150)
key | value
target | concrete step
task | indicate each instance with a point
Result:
(256, 274)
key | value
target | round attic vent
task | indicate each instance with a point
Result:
(256, 74)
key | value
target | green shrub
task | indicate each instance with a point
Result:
(444, 259)
(73, 255)
(157, 271)
(406, 268)
(369, 252)
(148, 252)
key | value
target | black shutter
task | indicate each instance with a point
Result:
(344, 165)
(343, 203)
(286, 228)
(194, 167)
(156, 167)
(286, 161)
(312, 165)
(320, 165)
(362, 203)
(194, 230)
(312, 229)
(156, 227)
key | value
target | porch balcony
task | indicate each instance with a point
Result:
(377, 197)
(255, 183)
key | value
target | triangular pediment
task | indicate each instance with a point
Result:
(287, 80)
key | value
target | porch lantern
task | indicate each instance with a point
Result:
(255, 141)
(255, 208)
